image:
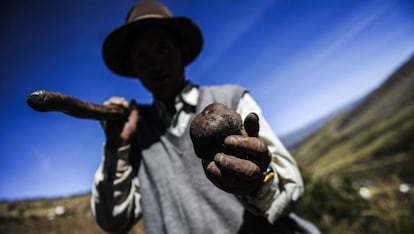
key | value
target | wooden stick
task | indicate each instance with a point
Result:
(45, 101)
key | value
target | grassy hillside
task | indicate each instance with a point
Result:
(64, 215)
(356, 165)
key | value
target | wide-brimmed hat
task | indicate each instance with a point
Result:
(144, 15)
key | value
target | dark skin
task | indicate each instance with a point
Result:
(157, 63)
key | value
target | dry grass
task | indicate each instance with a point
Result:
(39, 216)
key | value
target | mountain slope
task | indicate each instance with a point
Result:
(377, 134)
(358, 167)
(292, 140)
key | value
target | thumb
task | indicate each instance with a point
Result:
(251, 124)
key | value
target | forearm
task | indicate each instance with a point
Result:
(115, 197)
(286, 186)
(279, 194)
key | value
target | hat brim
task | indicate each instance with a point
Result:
(116, 47)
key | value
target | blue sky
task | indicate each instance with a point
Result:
(300, 60)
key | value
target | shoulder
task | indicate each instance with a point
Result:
(228, 94)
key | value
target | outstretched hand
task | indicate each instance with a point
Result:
(240, 165)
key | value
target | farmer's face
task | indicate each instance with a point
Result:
(156, 60)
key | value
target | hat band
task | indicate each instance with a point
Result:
(148, 16)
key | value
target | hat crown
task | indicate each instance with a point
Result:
(143, 15)
(148, 9)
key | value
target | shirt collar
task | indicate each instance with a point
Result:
(187, 97)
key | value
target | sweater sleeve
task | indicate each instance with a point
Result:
(286, 187)
(115, 197)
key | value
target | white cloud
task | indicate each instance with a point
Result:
(310, 62)
(346, 63)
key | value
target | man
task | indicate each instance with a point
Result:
(149, 166)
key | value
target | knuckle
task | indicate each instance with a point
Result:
(116, 100)
(261, 146)
(251, 170)
(220, 159)
(231, 140)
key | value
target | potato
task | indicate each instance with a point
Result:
(210, 127)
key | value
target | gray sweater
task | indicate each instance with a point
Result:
(172, 191)
(177, 197)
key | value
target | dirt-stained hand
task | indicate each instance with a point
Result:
(240, 168)
(119, 132)
(234, 162)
